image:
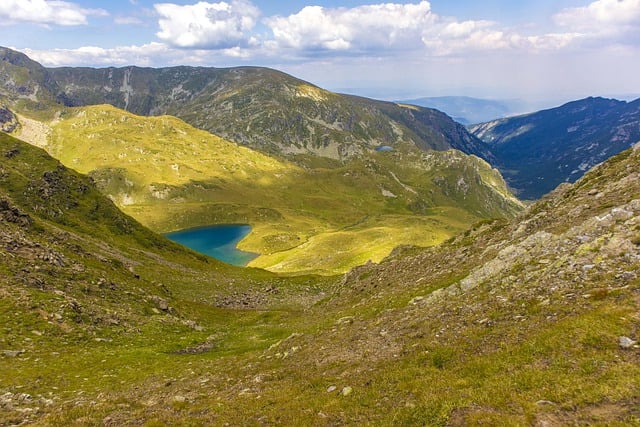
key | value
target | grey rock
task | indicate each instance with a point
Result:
(626, 342)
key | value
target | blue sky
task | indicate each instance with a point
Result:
(539, 49)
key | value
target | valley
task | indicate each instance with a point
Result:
(403, 285)
(324, 216)
(536, 152)
(510, 321)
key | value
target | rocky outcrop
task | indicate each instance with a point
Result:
(8, 120)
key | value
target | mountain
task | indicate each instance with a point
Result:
(538, 151)
(300, 197)
(532, 321)
(468, 110)
(25, 84)
(258, 107)
(264, 109)
(171, 176)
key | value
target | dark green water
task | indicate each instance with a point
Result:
(217, 241)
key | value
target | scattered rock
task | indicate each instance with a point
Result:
(346, 391)
(344, 320)
(626, 342)
(179, 399)
(331, 388)
(12, 353)
(416, 300)
(161, 303)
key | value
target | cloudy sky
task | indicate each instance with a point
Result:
(532, 49)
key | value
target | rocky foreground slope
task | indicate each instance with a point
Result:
(529, 322)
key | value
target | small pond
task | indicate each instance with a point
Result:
(217, 241)
(384, 148)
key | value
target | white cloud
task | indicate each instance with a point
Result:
(398, 28)
(207, 25)
(97, 56)
(603, 24)
(46, 12)
(148, 55)
(127, 20)
(379, 26)
(601, 16)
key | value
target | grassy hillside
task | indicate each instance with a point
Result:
(265, 109)
(258, 107)
(317, 216)
(525, 322)
(91, 301)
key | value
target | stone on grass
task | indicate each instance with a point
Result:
(626, 342)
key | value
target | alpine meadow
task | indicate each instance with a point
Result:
(400, 268)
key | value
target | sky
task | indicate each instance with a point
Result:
(544, 50)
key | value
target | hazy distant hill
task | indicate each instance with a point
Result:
(538, 151)
(468, 110)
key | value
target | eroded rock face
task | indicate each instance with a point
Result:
(10, 213)
(8, 120)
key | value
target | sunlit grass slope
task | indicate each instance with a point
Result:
(324, 217)
(525, 322)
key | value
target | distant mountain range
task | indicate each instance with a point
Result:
(280, 115)
(536, 152)
(468, 110)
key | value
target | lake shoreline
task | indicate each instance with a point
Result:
(218, 241)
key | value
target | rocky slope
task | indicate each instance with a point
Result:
(525, 322)
(538, 151)
(258, 107)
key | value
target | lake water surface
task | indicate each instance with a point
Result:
(217, 241)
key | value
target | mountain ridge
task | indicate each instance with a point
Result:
(538, 151)
(259, 107)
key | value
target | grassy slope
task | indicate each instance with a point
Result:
(91, 301)
(323, 219)
(508, 324)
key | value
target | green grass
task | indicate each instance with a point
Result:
(171, 176)
(245, 346)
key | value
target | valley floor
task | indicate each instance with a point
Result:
(529, 322)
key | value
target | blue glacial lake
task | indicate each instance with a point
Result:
(216, 241)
